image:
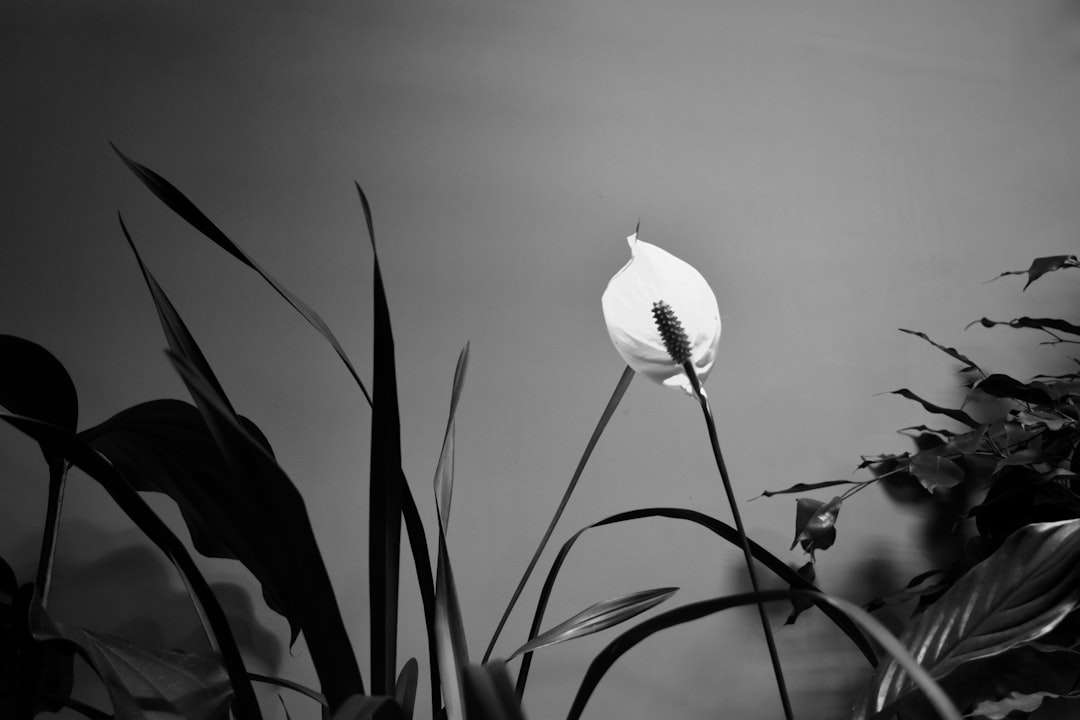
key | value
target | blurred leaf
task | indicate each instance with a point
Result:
(1041, 266)
(598, 616)
(285, 539)
(34, 677)
(489, 694)
(815, 523)
(453, 651)
(183, 207)
(142, 681)
(8, 583)
(369, 707)
(605, 416)
(1020, 593)
(1044, 324)
(799, 605)
(384, 508)
(803, 487)
(725, 531)
(694, 611)
(405, 688)
(79, 453)
(1003, 386)
(934, 471)
(915, 588)
(951, 352)
(958, 415)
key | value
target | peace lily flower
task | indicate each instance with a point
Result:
(660, 312)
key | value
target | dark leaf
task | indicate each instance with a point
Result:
(183, 207)
(414, 526)
(1003, 386)
(815, 523)
(597, 617)
(935, 472)
(489, 694)
(799, 604)
(405, 688)
(369, 707)
(294, 686)
(33, 383)
(1045, 324)
(143, 681)
(77, 452)
(1041, 266)
(951, 352)
(725, 531)
(286, 538)
(958, 415)
(34, 677)
(1020, 593)
(804, 487)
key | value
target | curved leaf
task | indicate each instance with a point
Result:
(958, 415)
(803, 487)
(405, 689)
(142, 681)
(694, 611)
(598, 616)
(1041, 266)
(33, 383)
(489, 694)
(1021, 592)
(369, 707)
(815, 523)
(728, 533)
(969, 364)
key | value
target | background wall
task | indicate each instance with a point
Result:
(836, 170)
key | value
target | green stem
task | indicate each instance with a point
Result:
(710, 423)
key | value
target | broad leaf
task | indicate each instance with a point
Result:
(815, 523)
(598, 616)
(369, 707)
(143, 681)
(1018, 594)
(1003, 386)
(33, 383)
(934, 471)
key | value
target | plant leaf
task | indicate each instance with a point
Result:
(725, 531)
(694, 611)
(489, 694)
(934, 471)
(405, 688)
(800, 605)
(142, 680)
(287, 538)
(453, 652)
(958, 415)
(1003, 386)
(1041, 266)
(33, 383)
(969, 364)
(294, 686)
(1018, 594)
(815, 523)
(598, 616)
(77, 452)
(803, 487)
(369, 707)
(1045, 324)
(182, 206)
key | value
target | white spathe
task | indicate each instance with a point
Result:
(654, 275)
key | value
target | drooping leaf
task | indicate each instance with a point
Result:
(799, 605)
(453, 651)
(774, 564)
(307, 593)
(142, 681)
(1018, 594)
(182, 206)
(958, 415)
(969, 364)
(1041, 266)
(598, 616)
(1003, 386)
(1045, 324)
(815, 523)
(489, 694)
(605, 416)
(694, 611)
(77, 452)
(384, 507)
(934, 471)
(804, 487)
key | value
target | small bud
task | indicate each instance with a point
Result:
(672, 333)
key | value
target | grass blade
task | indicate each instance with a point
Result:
(405, 689)
(597, 617)
(609, 410)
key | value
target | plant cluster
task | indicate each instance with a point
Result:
(1019, 589)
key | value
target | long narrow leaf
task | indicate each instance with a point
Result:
(414, 526)
(384, 520)
(969, 364)
(597, 617)
(81, 455)
(725, 531)
(694, 611)
(452, 649)
(958, 415)
(182, 206)
(605, 416)
(306, 587)
(405, 689)
(489, 694)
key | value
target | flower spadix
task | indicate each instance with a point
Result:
(660, 312)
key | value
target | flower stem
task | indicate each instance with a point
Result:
(710, 423)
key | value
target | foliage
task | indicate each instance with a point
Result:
(237, 502)
(998, 626)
